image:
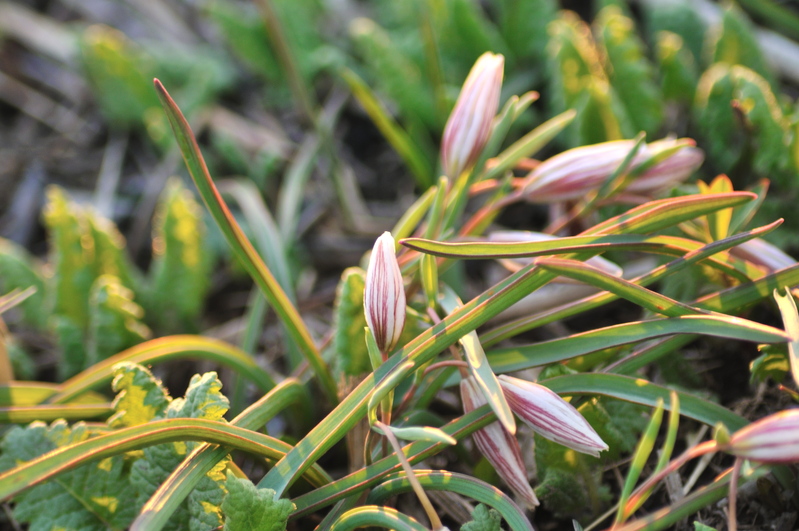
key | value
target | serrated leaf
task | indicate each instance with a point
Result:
(631, 74)
(114, 320)
(483, 519)
(180, 270)
(91, 497)
(203, 400)
(248, 508)
(140, 396)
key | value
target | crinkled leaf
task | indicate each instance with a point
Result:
(179, 274)
(483, 519)
(248, 508)
(736, 43)
(91, 497)
(114, 320)
(631, 74)
(140, 396)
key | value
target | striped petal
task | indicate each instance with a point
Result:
(550, 416)
(384, 296)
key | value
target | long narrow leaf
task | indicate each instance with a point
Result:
(374, 516)
(790, 318)
(49, 413)
(242, 247)
(557, 350)
(51, 464)
(459, 484)
(164, 349)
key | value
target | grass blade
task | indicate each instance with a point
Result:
(242, 247)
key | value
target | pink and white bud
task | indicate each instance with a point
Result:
(671, 171)
(772, 439)
(498, 446)
(550, 416)
(469, 124)
(576, 172)
(384, 295)
(762, 253)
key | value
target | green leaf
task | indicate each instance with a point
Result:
(179, 274)
(164, 349)
(774, 365)
(483, 519)
(479, 367)
(18, 270)
(114, 320)
(247, 508)
(350, 356)
(702, 527)
(677, 68)
(395, 74)
(631, 73)
(681, 18)
(736, 44)
(120, 73)
(416, 159)
(140, 396)
(92, 497)
(241, 246)
(523, 24)
(373, 516)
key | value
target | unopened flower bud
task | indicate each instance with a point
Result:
(550, 416)
(762, 253)
(772, 439)
(670, 171)
(469, 124)
(384, 295)
(576, 172)
(498, 446)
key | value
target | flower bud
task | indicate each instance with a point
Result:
(498, 446)
(384, 295)
(469, 124)
(670, 171)
(550, 416)
(762, 253)
(576, 172)
(772, 439)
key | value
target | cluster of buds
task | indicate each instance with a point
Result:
(384, 295)
(545, 412)
(579, 171)
(469, 123)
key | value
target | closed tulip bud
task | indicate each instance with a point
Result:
(762, 253)
(498, 446)
(550, 416)
(576, 172)
(469, 124)
(772, 439)
(670, 171)
(384, 295)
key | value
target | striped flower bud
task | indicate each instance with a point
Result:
(576, 172)
(772, 439)
(469, 124)
(384, 295)
(498, 446)
(550, 416)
